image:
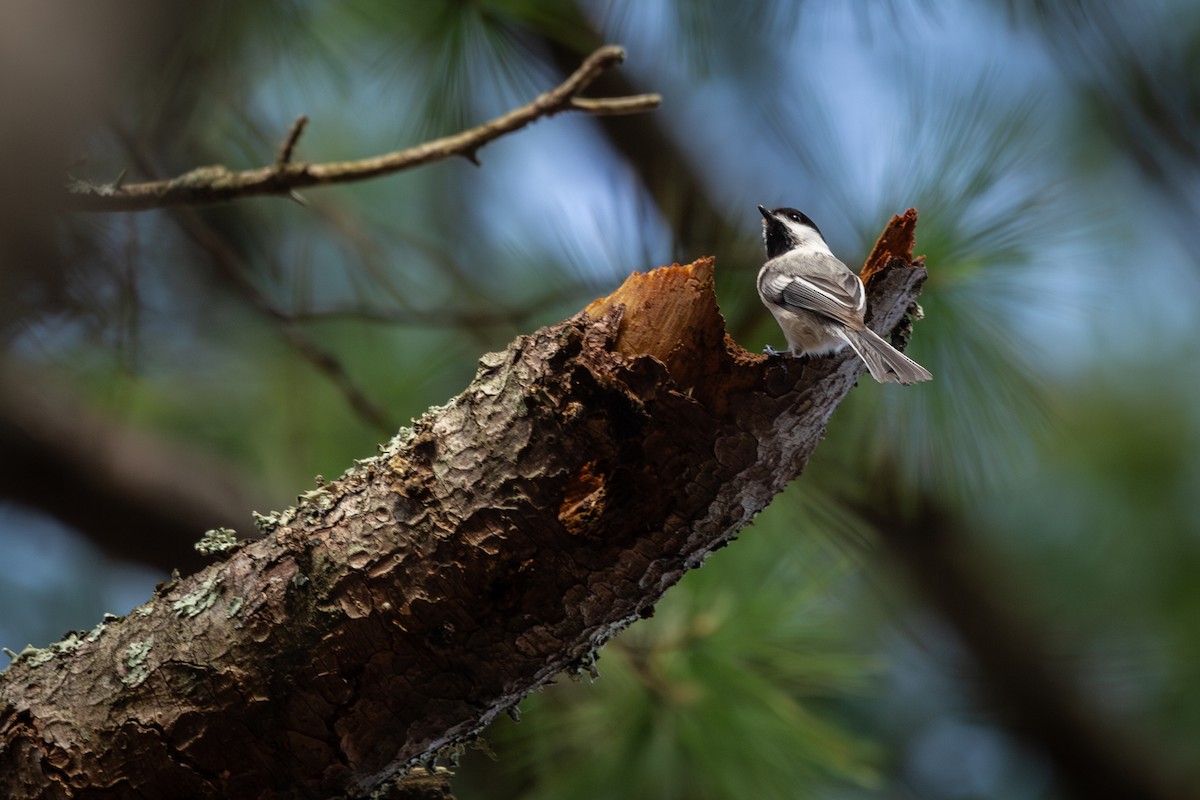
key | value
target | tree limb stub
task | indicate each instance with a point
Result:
(217, 184)
(498, 542)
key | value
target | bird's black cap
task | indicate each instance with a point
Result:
(775, 233)
(790, 213)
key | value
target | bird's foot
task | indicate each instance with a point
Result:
(773, 353)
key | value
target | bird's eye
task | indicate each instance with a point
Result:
(794, 217)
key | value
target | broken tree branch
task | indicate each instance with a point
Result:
(217, 184)
(501, 540)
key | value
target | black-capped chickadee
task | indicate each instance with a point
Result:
(819, 302)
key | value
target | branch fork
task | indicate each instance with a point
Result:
(284, 177)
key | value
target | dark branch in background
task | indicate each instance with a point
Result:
(472, 316)
(1094, 757)
(1091, 755)
(211, 184)
(425, 318)
(666, 173)
(1145, 100)
(218, 184)
(669, 177)
(231, 267)
(133, 495)
(229, 262)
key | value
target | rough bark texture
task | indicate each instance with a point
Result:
(499, 541)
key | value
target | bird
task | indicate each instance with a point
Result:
(819, 302)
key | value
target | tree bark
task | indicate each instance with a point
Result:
(498, 542)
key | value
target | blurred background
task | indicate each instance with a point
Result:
(1026, 520)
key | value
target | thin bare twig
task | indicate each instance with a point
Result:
(232, 268)
(615, 106)
(289, 144)
(325, 362)
(218, 184)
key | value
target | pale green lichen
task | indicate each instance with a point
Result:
(196, 601)
(94, 634)
(317, 502)
(36, 656)
(69, 643)
(218, 540)
(235, 605)
(402, 439)
(136, 654)
(363, 468)
(267, 522)
(320, 496)
(313, 503)
(29, 651)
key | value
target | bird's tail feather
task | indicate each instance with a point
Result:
(886, 363)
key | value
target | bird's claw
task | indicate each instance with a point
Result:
(771, 351)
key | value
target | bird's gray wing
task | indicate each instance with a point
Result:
(824, 285)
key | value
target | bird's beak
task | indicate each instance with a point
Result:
(766, 214)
